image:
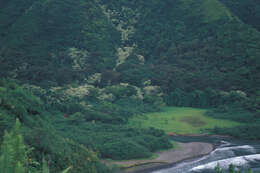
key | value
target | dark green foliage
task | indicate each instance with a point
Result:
(152, 143)
(62, 152)
(133, 106)
(202, 53)
(234, 113)
(52, 133)
(123, 103)
(207, 98)
(121, 150)
(121, 91)
(247, 11)
(11, 10)
(245, 132)
(191, 45)
(17, 103)
(40, 131)
(13, 157)
(36, 44)
(116, 141)
(156, 101)
(198, 47)
(131, 71)
(244, 111)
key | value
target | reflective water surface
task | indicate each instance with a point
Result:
(242, 154)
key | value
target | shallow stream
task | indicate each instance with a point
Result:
(242, 154)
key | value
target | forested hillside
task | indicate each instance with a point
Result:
(85, 67)
(57, 42)
(192, 45)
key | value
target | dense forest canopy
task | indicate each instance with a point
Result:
(85, 67)
(57, 42)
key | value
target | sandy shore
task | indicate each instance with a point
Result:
(166, 158)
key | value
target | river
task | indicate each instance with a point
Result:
(242, 154)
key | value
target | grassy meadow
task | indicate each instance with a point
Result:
(179, 120)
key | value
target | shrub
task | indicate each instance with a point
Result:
(123, 150)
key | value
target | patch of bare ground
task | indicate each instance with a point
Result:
(185, 151)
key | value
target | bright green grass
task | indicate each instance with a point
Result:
(179, 120)
(215, 10)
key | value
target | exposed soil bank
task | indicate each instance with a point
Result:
(198, 135)
(166, 158)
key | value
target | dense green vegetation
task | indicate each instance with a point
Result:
(16, 156)
(240, 114)
(200, 47)
(204, 43)
(247, 11)
(39, 131)
(83, 68)
(206, 56)
(37, 37)
(51, 132)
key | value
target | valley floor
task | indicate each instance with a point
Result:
(174, 121)
(166, 158)
(180, 120)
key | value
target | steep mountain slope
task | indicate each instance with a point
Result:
(76, 131)
(191, 45)
(58, 42)
(41, 135)
(248, 11)
(85, 67)
(55, 41)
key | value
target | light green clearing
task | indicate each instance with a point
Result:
(179, 120)
(211, 10)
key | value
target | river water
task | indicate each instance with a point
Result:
(242, 154)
